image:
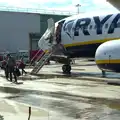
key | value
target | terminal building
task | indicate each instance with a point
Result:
(22, 30)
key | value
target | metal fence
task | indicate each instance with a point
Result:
(40, 11)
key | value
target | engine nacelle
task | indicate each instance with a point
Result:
(107, 56)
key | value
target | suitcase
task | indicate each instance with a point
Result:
(17, 72)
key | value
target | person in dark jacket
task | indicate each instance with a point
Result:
(11, 64)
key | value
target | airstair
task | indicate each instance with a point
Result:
(37, 57)
(41, 62)
(46, 46)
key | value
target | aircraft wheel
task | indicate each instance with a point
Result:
(66, 69)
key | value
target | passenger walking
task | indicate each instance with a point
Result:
(11, 64)
(21, 65)
(5, 67)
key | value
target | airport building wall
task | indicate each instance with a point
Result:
(15, 28)
(21, 31)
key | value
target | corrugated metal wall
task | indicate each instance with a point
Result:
(15, 28)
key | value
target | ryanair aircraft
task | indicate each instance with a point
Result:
(90, 35)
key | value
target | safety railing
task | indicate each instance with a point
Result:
(32, 10)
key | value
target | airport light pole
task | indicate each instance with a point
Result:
(78, 6)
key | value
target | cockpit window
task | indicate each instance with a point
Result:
(61, 22)
(68, 25)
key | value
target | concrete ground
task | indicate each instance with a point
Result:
(84, 95)
(10, 110)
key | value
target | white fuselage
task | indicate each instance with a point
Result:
(83, 34)
(96, 28)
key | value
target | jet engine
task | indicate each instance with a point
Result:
(107, 56)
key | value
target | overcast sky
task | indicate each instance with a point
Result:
(63, 5)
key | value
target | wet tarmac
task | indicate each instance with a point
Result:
(84, 95)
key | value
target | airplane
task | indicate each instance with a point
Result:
(87, 35)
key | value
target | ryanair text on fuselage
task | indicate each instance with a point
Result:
(85, 23)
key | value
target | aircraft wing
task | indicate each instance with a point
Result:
(115, 3)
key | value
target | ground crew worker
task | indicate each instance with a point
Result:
(11, 63)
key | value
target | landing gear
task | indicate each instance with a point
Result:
(66, 69)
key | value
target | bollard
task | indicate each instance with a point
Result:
(29, 113)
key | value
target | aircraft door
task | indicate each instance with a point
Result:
(58, 31)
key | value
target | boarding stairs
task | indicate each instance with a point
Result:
(41, 62)
(37, 57)
(46, 46)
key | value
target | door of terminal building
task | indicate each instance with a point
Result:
(34, 38)
(33, 43)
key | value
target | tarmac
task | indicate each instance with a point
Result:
(83, 95)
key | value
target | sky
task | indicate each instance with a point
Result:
(62, 5)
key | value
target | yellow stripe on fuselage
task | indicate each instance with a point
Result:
(90, 42)
(114, 61)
